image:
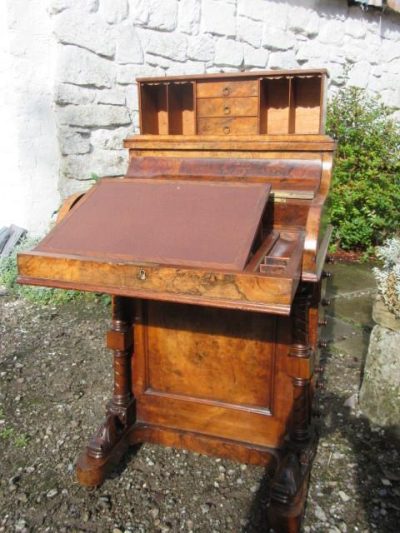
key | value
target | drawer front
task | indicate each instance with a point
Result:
(225, 107)
(209, 89)
(227, 126)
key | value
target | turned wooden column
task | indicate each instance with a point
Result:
(121, 408)
(301, 350)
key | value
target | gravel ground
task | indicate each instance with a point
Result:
(55, 377)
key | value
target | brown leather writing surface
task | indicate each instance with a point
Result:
(207, 224)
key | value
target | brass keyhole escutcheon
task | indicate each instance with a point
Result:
(142, 274)
(227, 110)
(226, 91)
(227, 130)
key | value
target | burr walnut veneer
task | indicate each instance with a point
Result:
(213, 247)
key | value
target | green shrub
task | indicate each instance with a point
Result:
(365, 194)
(41, 295)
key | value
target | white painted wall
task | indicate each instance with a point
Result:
(29, 153)
(67, 69)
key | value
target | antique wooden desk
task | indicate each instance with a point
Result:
(213, 247)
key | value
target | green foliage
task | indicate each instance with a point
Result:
(40, 295)
(365, 193)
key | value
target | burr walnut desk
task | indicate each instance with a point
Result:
(213, 247)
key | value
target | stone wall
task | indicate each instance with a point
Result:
(103, 45)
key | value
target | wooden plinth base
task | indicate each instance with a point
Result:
(291, 467)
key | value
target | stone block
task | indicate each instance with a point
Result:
(112, 97)
(380, 390)
(189, 16)
(171, 46)
(282, 60)
(80, 67)
(303, 21)
(389, 51)
(359, 74)
(383, 317)
(186, 68)
(114, 11)
(66, 93)
(139, 11)
(162, 14)
(73, 142)
(218, 17)
(89, 32)
(93, 115)
(58, 6)
(254, 10)
(228, 53)
(331, 32)
(356, 25)
(201, 48)
(276, 39)
(110, 139)
(250, 31)
(255, 57)
(127, 74)
(99, 161)
(129, 49)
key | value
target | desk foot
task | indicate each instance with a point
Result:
(91, 471)
(289, 489)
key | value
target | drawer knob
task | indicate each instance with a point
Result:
(323, 323)
(227, 110)
(326, 274)
(227, 130)
(323, 343)
(226, 91)
(325, 302)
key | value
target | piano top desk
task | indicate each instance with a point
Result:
(213, 247)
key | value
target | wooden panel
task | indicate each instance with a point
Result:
(192, 223)
(184, 342)
(227, 88)
(182, 119)
(220, 107)
(254, 292)
(307, 102)
(154, 109)
(274, 106)
(294, 174)
(227, 126)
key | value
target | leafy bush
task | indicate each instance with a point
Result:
(388, 276)
(365, 193)
(42, 295)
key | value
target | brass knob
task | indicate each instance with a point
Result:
(325, 302)
(227, 110)
(226, 91)
(322, 323)
(227, 130)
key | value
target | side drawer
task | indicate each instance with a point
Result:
(209, 89)
(227, 126)
(222, 107)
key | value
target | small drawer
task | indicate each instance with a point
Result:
(225, 107)
(227, 89)
(227, 126)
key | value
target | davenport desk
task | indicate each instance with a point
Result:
(213, 247)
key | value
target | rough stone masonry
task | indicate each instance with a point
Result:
(70, 83)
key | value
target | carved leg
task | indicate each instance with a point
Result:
(111, 440)
(290, 483)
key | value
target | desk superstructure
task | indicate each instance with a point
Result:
(213, 247)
